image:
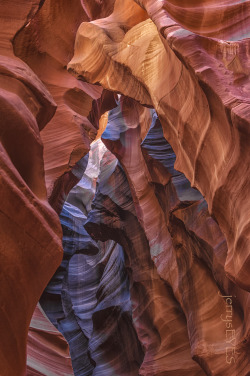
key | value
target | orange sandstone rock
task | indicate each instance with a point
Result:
(199, 89)
(228, 20)
(30, 231)
(47, 349)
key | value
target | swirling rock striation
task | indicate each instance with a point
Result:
(165, 290)
(47, 349)
(185, 255)
(88, 298)
(46, 44)
(199, 88)
(30, 230)
(219, 19)
(157, 317)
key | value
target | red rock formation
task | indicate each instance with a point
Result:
(177, 254)
(46, 45)
(43, 36)
(198, 87)
(220, 19)
(157, 317)
(187, 268)
(48, 352)
(29, 229)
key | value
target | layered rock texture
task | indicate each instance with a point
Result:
(125, 179)
(199, 88)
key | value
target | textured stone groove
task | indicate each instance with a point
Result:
(48, 352)
(199, 88)
(88, 298)
(113, 216)
(29, 229)
(151, 297)
(177, 253)
(46, 45)
(225, 20)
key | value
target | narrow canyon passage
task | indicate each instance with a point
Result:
(119, 305)
(124, 185)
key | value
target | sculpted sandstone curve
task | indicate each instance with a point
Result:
(30, 229)
(47, 349)
(198, 87)
(46, 45)
(228, 20)
(156, 231)
(176, 252)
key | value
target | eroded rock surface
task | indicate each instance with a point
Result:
(47, 349)
(46, 44)
(155, 273)
(190, 261)
(37, 40)
(88, 298)
(199, 87)
(30, 231)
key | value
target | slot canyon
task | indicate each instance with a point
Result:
(125, 188)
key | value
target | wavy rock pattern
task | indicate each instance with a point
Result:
(46, 45)
(186, 259)
(48, 352)
(88, 298)
(157, 317)
(29, 229)
(33, 93)
(155, 283)
(200, 97)
(220, 19)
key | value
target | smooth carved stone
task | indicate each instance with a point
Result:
(198, 87)
(13, 18)
(229, 104)
(103, 70)
(157, 316)
(26, 106)
(30, 231)
(47, 350)
(96, 9)
(177, 253)
(213, 18)
(46, 44)
(158, 148)
(161, 301)
(34, 250)
(88, 298)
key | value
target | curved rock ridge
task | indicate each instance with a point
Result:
(34, 250)
(31, 96)
(155, 273)
(199, 88)
(157, 317)
(227, 20)
(158, 148)
(47, 350)
(46, 45)
(88, 298)
(190, 258)
(30, 230)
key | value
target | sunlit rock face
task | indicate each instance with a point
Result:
(142, 239)
(199, 88)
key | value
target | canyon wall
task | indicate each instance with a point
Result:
(136, 245)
